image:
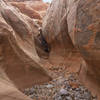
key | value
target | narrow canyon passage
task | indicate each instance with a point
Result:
(49, 50)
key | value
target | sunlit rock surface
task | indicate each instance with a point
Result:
(55, 31)
(34, 9)
(82, 27)
(20, 65)
(87, 38)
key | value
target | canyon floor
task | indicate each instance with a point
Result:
(62, 87)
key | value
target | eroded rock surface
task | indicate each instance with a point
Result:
(82, 26)
(20, 65)
(55, 31)
(34, 9)
(88, 41)
(27, 10)
(67, 24)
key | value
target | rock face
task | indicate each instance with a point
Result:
(34, 9)
(55, 31)
(19, 63)
(10, 92)
(84, 30)
(87, 38)
(81, 24)
(27, 10)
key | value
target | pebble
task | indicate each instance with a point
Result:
(59, 98)
(69, 98)
(60, 89)
(49, 86)
(63, 92)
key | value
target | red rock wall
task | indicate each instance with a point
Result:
(87, 38)
(20, 59)
(35, 9)
(27, 10)
(83, 20)
(55, 31)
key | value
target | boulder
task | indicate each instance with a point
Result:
(34, 9)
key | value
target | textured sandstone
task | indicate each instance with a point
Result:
(39, 8)
(83, 23)
(67, 23)
(27, 10)
(87, 38)
(55, 31)
(9, 92)
(19, 63)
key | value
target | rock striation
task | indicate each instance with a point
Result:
(81, 28)
(34, 9)
(27, 10)
(55, 31)
(87, 39)
(69, 25)
(20, 65)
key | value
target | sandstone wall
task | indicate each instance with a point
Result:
(82, 23)
(34, 9)
(55, 31)
(20, 65)
(87, 38)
